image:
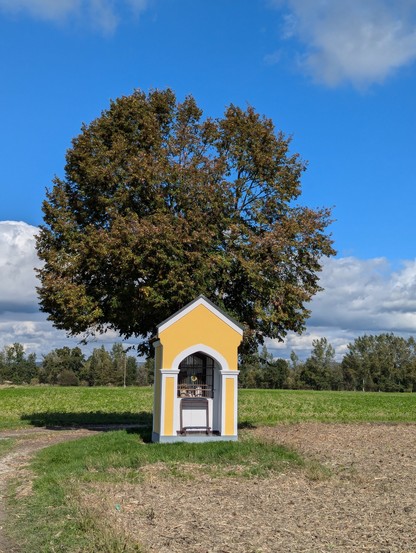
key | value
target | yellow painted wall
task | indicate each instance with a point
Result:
(200, 326)
(169, 405)
(229, 406)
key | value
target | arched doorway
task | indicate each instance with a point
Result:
(196, 376)
(199, 392)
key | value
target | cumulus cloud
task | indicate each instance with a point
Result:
(355, 41)
(359, 297)
(102, 14)
(20, 319)
(367, 295)
(18, 260)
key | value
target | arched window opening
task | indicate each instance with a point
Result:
(196, 376)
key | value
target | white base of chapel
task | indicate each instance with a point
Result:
(195, 438)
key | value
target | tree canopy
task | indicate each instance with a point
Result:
(16, 366)
(381, 362)
(159, 204)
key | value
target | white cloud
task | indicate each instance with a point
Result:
(302, 345)
(367, 295)
(17, 262)
(101, 14)
(359, 297)
(361, 42)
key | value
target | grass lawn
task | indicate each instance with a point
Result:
(49, 406)
(270, 407)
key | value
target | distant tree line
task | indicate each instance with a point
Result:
(384, 362)
(70, 367)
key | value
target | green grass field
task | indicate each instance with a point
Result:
(49, 406)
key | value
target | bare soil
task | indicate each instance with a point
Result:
(367, 504)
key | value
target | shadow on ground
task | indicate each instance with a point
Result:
(246, 425)
(138, 423)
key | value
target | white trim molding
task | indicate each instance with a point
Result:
(190, 307)
(229, 373)
(233, 375)
(203, 349)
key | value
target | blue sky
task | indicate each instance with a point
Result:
(339, 76)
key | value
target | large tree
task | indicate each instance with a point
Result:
(159, 205)
(59, 360)
(320, 371)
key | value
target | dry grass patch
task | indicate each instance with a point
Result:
(368, 504)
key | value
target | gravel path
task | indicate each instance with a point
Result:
(14, 464)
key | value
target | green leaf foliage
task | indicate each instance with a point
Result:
(15, 366)
(382, 362)
(159, 204)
